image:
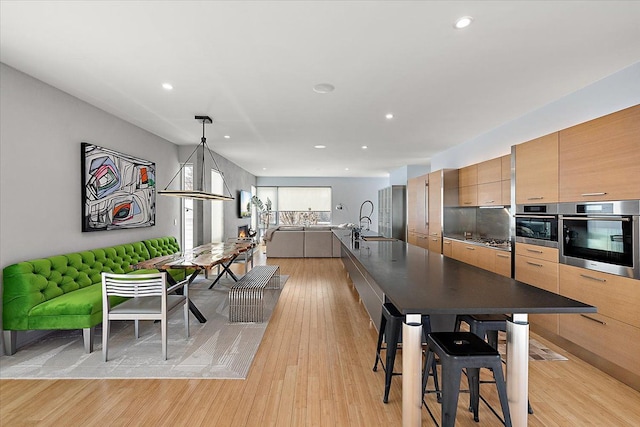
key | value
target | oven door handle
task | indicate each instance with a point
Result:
(536, 216)
(595, 218)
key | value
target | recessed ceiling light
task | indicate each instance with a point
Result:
(389, 116)
(324, 88)
(319, 146)
(346, 169)
(463, 22)
(167, 86)
(227, 137)
(364, 147)
(264, 169)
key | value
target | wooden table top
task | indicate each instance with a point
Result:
(201, 257)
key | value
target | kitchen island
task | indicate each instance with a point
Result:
(420, 282)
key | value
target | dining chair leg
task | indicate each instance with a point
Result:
(164, 336)
(105, 339)
(136, 327)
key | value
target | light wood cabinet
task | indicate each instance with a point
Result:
(600, 159)
(502, 263)
(505, 168)
(616, 342)
(468, 195)
(417, 199)
(435, 203)
(506, 180)
(484, 257)
(538, 266)
(468, 186)
(465, 252)
(490, 171)
(468, 175)
(435, 244)
(537, 170)
(435, 211)
(490, 194)
(615, 296)
(447, 248)
(506, 192)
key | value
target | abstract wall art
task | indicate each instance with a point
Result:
(118, 190)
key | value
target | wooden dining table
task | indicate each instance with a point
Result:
(201, 258)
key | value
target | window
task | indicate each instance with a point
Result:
(187, 208)
(298, 205)
(217, 209)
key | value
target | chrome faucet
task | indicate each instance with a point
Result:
(365, 217)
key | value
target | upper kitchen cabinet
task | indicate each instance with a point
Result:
(506, 179)
(600, 159)
(468, 182)
(489, 182)
(537, 170)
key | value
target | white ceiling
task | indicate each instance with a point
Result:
(252, 66)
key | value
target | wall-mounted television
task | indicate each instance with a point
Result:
(244, 204)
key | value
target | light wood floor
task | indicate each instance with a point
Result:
(313, 368)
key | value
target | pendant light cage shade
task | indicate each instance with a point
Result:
(200, 193)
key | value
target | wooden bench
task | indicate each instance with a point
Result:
(246, 297)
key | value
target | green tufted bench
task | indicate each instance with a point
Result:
(64, 291)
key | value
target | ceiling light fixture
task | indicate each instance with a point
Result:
(199, 193)
(319, 146)
(227, 137)
(364, 147)
(463, 22)
(167, 86)
(324, 88)
(389, 116)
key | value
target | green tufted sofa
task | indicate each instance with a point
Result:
(65, 291)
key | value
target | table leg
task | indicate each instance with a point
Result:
(225, 268)
(412, 371)
(518, 368)
(192, 307)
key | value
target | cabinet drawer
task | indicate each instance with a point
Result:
(616, 297)
(435, 244)
(503, 263)
(538, 252)
(537, 272)
(422, 240)
(608, 338)
(447, 248)
(465, 253)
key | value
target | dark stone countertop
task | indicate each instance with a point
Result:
(418, 281)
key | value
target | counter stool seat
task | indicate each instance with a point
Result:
(391, 329)
(458, 351)
(486, 326)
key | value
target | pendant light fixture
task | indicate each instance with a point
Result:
(199, 193)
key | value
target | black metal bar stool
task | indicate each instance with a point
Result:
(458, 351)
(391, 328)
(486, 326)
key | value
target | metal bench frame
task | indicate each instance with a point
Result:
(246, 297)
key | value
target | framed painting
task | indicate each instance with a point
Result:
(118, 190)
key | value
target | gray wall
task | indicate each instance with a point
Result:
(40, 191)
(42, 128)
(350, 192)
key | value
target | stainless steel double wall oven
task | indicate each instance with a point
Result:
(602, 236)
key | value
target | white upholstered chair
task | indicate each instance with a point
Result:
(149, 299)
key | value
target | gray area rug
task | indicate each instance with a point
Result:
(216, 349)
